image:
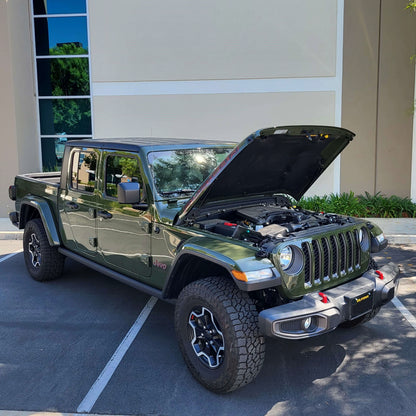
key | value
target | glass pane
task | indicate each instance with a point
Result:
(120, 169)
(182, 171)
(63, 76)
(83, 168)
(59, 6)
(64, 117)
(53, 152)
(61, 36)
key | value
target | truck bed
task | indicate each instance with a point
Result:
(38, 187)
(50, 178)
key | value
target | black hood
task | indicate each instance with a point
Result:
(276, 160)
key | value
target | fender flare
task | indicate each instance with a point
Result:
(45, 213)
(219, 260)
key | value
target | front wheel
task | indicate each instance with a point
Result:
(217, 330)
(43, 262)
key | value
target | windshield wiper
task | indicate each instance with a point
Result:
(177, 191)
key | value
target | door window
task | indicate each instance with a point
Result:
(121, 169)
(83, 166)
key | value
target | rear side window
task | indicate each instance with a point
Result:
(83, 167)
(120, 169)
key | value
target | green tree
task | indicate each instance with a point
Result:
(70, 76)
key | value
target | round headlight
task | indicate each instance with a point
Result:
(285, 258)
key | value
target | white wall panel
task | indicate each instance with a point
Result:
(213, 116)
(137, 40)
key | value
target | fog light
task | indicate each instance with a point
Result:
(306, 323)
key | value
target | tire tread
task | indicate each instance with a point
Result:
(243, 315)
(52, 262)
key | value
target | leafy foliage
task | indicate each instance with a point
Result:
(411, 5)
(72, 116)
(366, 205)
(70, 76)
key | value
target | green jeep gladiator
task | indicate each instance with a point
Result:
(209, 226)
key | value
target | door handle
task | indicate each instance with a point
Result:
(72, 205)
(104, 214)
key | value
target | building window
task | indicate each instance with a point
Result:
(62, 75)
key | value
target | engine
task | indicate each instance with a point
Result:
(267, 222)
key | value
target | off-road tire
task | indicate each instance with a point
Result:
(368, 316)
(235, 318)
(43, 261)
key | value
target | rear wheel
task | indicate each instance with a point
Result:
(43, 262)
(218, 335)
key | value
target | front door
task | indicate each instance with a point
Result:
(123, 231)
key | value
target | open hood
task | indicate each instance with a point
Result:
(275, 160)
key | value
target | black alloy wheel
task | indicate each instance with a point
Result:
(43, 261)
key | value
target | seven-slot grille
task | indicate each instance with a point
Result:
(331, 257)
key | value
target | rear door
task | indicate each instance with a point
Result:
(79, 201)
(123, 231)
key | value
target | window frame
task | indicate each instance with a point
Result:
(77, 151)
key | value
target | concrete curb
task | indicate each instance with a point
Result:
(401, 239)
(393, 239)
(11, 235)
(397, 230)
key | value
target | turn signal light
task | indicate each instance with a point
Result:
(253, 275)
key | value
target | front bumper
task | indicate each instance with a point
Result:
(312, 316)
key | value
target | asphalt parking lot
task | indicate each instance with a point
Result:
(56, 339)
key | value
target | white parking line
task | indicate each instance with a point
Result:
(404, 311)
(10, 255)
(105, 376)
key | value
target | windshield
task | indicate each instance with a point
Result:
(182, 171)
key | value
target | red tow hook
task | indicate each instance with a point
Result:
(379, 274)
(324, 297)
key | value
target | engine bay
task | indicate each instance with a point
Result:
(265, 222)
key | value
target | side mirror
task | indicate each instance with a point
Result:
(128, 193)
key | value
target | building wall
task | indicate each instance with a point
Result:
(194, 69)
(378, 94)
(18, 120)
(195, 40)
(213, 70)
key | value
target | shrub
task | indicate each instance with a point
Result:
(367, 205)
